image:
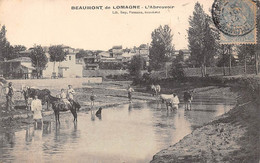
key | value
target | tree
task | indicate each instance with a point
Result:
(249, 53)
(4, 44)
(177, 66)
(39, 59)
(57, 54)
(135, 66)
(161, 47)
(14, 52)
(202, 38)
(180, 57)
(246, 53)
(227, 59)
(19, 48)
(84, 53)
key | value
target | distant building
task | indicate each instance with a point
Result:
(186, 54)
(142, 50)
(127, 56)
(105, 54)
(110, 59)
(117, 52)
(17, 68)
(91, 62)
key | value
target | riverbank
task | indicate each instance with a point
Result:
(108, 94)
(233, 137)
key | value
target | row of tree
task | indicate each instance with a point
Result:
(37, 53)
(203, 39)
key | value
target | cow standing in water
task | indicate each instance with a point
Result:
(187, 98)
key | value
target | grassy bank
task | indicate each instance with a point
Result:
(234, 137)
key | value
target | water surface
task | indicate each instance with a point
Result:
(127, 133)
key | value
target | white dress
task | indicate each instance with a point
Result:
(36, 106)
(175, 101)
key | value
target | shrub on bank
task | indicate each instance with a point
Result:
(250, 83)
(121, 77)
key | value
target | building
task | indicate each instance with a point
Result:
(105, 54)
(186, 54)
(143, 50)
(69, 68)
(18, 68)
(127, 56)
(91, 62)
(117, 52)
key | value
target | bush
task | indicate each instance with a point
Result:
(120, 77)
(177, 71)
(113, 66)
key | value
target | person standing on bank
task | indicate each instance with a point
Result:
(130, 90)
(36, 107)
(70, 93)
(9, 96)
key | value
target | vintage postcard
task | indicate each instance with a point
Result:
(108, 81)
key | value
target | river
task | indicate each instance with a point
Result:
(126, 133)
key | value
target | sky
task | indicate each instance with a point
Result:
(53, 22)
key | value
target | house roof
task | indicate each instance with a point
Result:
(29, 67)
(26, 51)
(92, 56)
(104, 54)
(20, 59)
(128, 55)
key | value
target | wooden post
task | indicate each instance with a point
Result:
(245, 64)
(166, 72)
(224, 72)
(230, 64)
(257, 62)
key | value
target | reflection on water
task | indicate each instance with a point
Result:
(128, 133)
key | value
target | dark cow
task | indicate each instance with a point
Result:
(187, 98)
(58, 106)
(98, 113)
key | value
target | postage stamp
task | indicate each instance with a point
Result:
(236, 20)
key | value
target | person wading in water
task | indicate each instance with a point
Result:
(130, 90)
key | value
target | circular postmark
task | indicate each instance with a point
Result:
(234, 17)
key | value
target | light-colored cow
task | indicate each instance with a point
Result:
(170, 100)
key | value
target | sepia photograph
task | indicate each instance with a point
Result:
(151, 81)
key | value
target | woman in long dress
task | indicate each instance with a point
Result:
(36, 107)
